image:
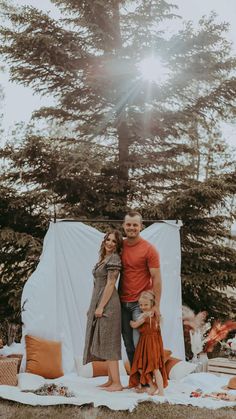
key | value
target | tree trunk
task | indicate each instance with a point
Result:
(123, 164)
(209, 158)
(122, 129)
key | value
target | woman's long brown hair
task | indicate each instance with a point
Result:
(119, 243)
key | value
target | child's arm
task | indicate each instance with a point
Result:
(139, 321)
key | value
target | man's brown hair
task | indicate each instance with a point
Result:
(133, 213)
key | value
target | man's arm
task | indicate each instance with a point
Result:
(157, 288)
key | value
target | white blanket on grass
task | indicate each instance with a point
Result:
(87, 392)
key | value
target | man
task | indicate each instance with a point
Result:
(141, 272)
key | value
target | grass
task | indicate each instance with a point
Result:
(145, 410)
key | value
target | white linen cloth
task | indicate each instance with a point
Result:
(86, 391)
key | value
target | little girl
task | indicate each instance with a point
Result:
(148, 364)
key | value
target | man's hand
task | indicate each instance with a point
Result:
(156, 313)
(98, 312)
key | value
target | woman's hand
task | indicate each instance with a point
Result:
(98, 312)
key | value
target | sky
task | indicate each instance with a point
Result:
(20, 101)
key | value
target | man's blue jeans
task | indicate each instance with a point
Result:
(130, 311)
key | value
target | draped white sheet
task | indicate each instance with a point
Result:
(56, 297)
(87, 391)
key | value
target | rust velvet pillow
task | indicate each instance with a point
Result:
(99, 368)
(43, 357)
(167, 355)
(171, 362)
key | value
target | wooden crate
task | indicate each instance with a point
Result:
(220, 366)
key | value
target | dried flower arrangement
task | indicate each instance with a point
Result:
(53, 390)
(203, 335)
(229, 347)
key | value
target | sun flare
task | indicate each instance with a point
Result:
(153, 70)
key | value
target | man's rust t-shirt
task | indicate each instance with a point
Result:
(137, 259)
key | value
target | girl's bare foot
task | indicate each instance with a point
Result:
(140, 389)
(107, 384)
(158, 393)
(152, 390)
(113, 387)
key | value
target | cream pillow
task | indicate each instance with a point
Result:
(181, 369)
(85, 371)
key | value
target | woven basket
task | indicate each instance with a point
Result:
(8, 371)
(18, 357)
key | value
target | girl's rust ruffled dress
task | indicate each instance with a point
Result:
(149, 355)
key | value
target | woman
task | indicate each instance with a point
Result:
(103, 332)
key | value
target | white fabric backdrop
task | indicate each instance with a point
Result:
(57, 295)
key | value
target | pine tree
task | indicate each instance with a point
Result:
(23, 222)
(89, 61)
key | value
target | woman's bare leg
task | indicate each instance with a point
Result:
(113, 367)
(109, 381)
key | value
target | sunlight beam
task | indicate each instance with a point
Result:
(153, 70)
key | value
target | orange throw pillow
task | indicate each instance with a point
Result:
(167, 355)
(170, 364)
(99, 368)
(43, 357)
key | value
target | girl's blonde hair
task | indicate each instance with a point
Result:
(148, 295)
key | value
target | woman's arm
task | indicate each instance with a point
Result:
(108, 290)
